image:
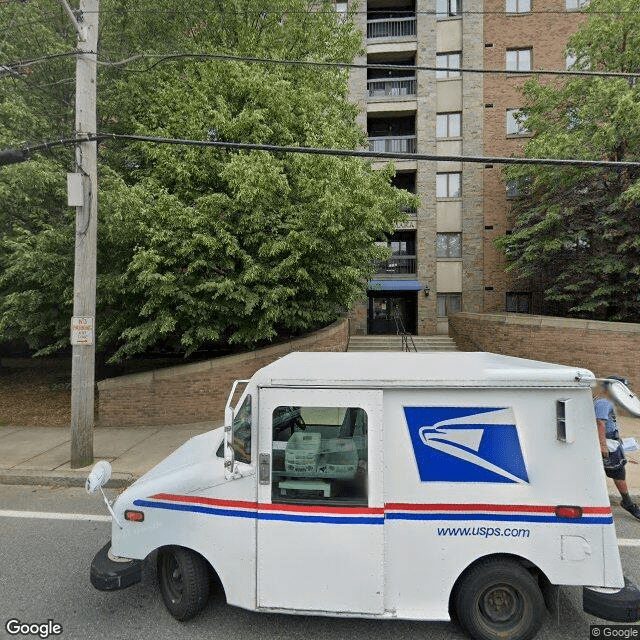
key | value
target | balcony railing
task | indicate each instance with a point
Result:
(392, 87)
(391, 27)
(412, 212)
(397, 266)
(393, 144)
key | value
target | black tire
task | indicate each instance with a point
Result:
(183, 577)
(498, 599)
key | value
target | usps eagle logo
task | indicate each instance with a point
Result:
(466, 444)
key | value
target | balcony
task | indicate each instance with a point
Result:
(393, 144)
(392, 87)
(397, 267)
(388, 28)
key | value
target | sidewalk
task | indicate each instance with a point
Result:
(40, 455)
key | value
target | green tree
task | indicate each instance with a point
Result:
(575, 229)
(198, 246)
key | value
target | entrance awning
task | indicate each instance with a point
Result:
(394, 285)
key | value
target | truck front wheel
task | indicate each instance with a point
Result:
(497, 599)
(184, 581)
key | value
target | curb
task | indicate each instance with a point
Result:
(61, 478)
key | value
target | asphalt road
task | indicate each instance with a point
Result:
(44, 574)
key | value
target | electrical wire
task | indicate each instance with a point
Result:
(11, 156)
(353, 65)
(19, 64)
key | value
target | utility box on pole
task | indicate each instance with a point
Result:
(84, 280)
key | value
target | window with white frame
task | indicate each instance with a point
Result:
(516, 123)
(518, 6)
(449, 125)
(447, 63)
(449, 185)
(448, 9)
(576, 4)
(519, 59)
(448, 245)
(449, 303)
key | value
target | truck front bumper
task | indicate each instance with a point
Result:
(110, 575)
(617, 606)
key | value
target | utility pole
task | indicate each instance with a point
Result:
(84, 279)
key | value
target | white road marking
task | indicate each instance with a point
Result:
(628, 542)
(44, 515)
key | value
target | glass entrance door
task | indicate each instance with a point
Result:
(388, 314)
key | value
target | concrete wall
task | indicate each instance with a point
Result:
(603, 347)
(197, 392)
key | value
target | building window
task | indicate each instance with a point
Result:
(448, 245)
(449, 185)
(519, 59)
(516, 123)
(513, 189)
(449, 303)
(518, 6)
(448, 8)
(576, 4)
(518, 302)
(319, 454)
(445, 62)
(449, 125)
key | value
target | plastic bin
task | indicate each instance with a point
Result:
(302, 453)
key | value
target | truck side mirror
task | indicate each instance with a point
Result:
(229, 454)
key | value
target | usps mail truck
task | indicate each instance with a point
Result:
(383, 485)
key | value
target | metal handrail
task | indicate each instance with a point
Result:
(391, 27)
(391, 87)
(398, 265)
(403, 333)
(393, 144)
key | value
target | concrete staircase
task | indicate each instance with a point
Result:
(394, 343)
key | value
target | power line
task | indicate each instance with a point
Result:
(10, 67)
(19, 64)
(295, 10)
(11, 156)
(161, 57)
(45, 16)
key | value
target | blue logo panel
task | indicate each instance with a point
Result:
(466, 444)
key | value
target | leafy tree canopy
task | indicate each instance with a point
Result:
(577, 230)
(198, 246)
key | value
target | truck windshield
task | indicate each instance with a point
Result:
(241, 434)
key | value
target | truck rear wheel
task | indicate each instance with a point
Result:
(497, 599)
(183, 577)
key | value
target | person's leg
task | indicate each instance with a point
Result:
(623, 489)
(619, 478)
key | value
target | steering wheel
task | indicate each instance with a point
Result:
(300, 423)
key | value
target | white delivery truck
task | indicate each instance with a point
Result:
(384, 485)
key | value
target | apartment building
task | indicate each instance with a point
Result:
(443, 258)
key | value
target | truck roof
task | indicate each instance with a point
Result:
(411, 369)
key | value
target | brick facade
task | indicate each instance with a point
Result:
(197, 392)
(547, 34)
(603, 347)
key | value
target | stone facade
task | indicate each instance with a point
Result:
(483, 33)
(197, 392)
